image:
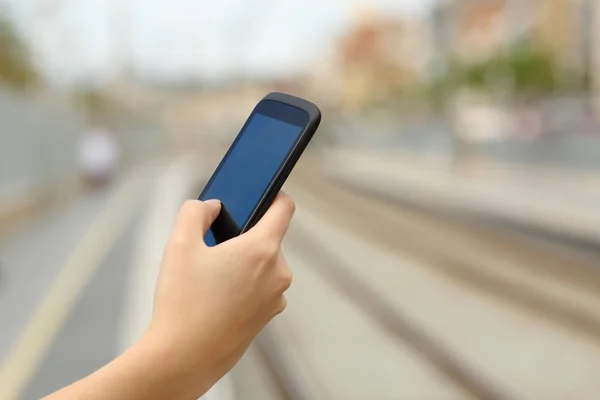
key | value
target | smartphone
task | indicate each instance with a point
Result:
(258, 163)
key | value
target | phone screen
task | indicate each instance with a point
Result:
(252, 164)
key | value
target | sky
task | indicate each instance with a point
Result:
(88, 40)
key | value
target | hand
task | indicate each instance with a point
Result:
(211, 302)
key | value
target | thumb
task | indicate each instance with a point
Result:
(212, 211)
(196, 217)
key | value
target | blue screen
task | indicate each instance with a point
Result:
(251, 166)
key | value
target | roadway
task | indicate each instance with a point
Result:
(389, 301)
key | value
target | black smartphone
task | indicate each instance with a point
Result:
(258, 163)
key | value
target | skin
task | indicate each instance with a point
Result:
(209, 304)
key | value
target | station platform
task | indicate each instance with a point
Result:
(557, 201)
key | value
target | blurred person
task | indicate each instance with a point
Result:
(97, 155)
(209, 305)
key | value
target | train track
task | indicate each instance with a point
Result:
(562, 287)
(389, 318)
(299, 380)
(292, 376)
(554, 286)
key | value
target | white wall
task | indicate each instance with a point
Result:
(36, 142)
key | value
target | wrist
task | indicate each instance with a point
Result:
(185, 368)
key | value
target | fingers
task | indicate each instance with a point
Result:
(284, 278)
(195, 218)
(280, 305)
(275, 223)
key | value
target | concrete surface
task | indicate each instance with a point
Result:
(503, 342)
(567, 205)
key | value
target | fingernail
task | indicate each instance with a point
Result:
(213, 202)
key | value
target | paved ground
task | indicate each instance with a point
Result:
(554, 200)
(32, 257)
(90, 336)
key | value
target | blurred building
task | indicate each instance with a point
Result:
(483, 27)
(325, 82)
(477, 29)
(561, 27)
(377, 56)
(195, 113)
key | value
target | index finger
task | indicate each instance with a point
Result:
(277, 219)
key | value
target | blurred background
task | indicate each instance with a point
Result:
(447, 238)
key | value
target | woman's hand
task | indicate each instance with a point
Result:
(211, 302)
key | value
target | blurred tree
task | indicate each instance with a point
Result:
(438, 91)
(94, 104)
(534, 71)
(90, 100)
(531, 71)
(16, 70)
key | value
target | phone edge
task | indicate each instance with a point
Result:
(314, 114)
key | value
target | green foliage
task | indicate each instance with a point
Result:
(437, 91)
(534, 70)
(529, 69)
(91, 100)
(523, 70)
(97, 105)
(16, 70)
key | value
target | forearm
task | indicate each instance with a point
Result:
(149, 370)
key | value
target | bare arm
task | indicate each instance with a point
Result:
(209, 304)
(148, 370)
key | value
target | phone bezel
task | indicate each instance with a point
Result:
(285, 108)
